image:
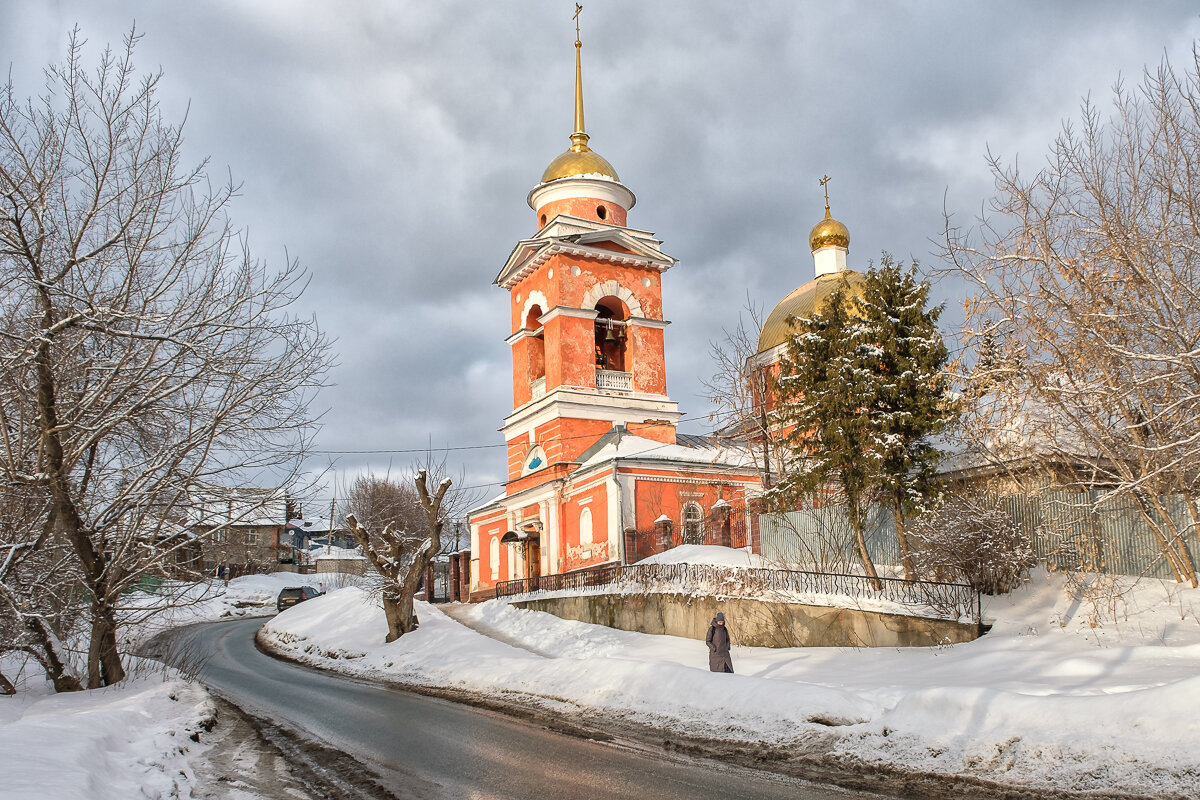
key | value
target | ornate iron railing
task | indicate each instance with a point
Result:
(931, 598)
(613, 381)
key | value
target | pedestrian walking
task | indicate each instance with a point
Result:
(718, 645)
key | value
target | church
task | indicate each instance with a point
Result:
(597, 473)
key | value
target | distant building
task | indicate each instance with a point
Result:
(238, 529)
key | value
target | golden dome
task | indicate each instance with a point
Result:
(579, 160)
(809, 299)
(829, 232)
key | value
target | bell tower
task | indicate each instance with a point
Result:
(585, 294)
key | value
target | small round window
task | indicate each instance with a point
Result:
(601, 212)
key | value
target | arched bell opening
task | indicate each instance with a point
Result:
(537, 345)
(612, 335)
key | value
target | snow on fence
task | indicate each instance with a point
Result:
(956, 601)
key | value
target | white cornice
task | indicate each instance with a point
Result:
(572, 188)
(568, 311)
(534, 255)
(576, 403)
(646, 322)
(566, 225)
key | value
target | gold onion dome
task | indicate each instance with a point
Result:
(829, 232)
(811, 298)
(579, 158)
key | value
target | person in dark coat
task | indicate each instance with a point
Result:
(718, 645)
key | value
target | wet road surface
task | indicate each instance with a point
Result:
(424, 747)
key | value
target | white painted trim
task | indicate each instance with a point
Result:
(614, 515)
(580, 188)
(647, 322)
(514, 272)
(665, 479)
(613, 289)
(522, 333)
(568, 311)
(573, 491)
(535, 298)
(586, 403)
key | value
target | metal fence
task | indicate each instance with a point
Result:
(931, 598)
(823, 536)
(1069, 531)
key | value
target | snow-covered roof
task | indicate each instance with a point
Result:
(619, 443)
(237, 506)
(312, 525)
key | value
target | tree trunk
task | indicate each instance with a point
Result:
(399, 614)
(861, 540)
(104, 659)
(56, 668)
(906, 557)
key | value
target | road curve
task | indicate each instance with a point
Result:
(427, 748)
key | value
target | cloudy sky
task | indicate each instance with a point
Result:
(389, 146)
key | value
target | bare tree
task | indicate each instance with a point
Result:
(144, 353)
(1087, 284)
(410, 536)
(739, 391)
(37, 580)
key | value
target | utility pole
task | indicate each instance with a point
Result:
(329, 538)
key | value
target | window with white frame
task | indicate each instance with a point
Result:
(251, 536)
(585, 526)
(495, 554)
(693, 523)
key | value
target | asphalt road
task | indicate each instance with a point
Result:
(423, 747)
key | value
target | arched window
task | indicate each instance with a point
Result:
(585, 526)
(495, 554)
(537, 347)
(693, 523)
(612, 335)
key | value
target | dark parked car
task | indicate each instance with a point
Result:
(295, 594)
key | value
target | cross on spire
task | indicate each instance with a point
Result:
(825, 185)
(578, 11)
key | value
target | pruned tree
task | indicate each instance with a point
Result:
(1086, 280)
(404, 535)
(144, 353)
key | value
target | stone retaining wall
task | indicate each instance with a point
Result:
(754, 623)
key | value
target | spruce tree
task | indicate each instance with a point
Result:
(823, 390)
(911, 404)
(862, 391)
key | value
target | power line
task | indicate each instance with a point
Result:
(482, 446)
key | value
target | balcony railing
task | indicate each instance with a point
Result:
(539, 388)
(612, 381)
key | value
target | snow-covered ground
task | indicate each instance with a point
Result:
(1053, 696)
(134, 739)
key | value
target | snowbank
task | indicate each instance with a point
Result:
(133, 740)
(1051, 698)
